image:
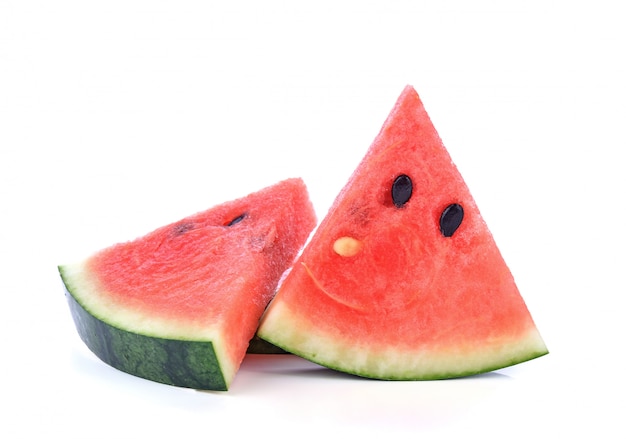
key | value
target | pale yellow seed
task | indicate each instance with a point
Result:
(347, 246)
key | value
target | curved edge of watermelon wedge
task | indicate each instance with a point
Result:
(177, 362)
(293, 332)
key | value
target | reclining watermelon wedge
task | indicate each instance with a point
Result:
(402, 279)
(180, 305)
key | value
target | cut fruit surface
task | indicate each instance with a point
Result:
(181, 304)
(403, 279)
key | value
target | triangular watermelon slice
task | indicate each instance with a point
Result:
(402, 279)
(180, 305)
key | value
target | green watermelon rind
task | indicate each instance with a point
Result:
(297, 335)
(259, 346)
(182, 363)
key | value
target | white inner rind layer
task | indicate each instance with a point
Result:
(88, 292)
(287, 330)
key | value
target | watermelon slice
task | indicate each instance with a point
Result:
(402, 279)
(181, 304)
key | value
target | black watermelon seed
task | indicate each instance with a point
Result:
(236, 220)
(401, 190)
(451, 219)
(182, 228)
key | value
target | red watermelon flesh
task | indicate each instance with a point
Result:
(388, 289)
(205, 279)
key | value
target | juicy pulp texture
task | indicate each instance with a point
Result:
(206, 278)
(380, 291)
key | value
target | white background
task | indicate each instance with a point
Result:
(117, 117)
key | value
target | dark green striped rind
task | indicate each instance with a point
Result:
(260, 346)
(181, 363)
